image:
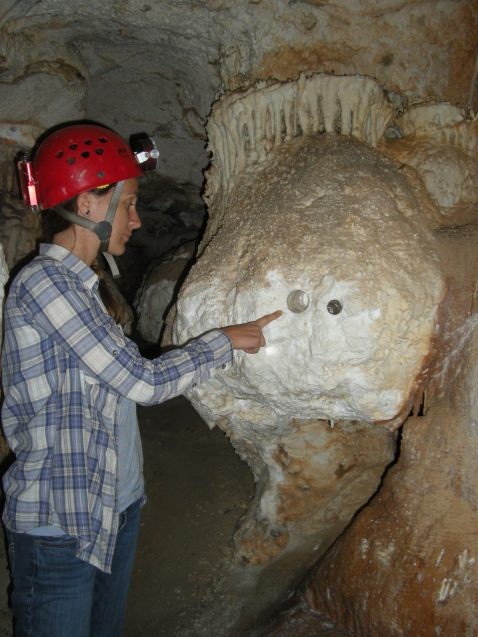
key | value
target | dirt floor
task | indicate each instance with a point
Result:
(191, 473)
(197, 489)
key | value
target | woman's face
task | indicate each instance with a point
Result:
(126, 218)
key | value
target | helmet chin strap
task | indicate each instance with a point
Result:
(112, 263)
(102, 229)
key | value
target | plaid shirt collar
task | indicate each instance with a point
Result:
(70, 261)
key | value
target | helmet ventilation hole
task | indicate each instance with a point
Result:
(99, 151)
(85, 154)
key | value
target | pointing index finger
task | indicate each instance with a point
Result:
(268, 318)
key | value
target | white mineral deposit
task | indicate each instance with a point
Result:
(328, 229)
(316, 210)
(352, 237)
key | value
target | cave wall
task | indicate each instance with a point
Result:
(408, 563)
(302, 202)
(159, 67)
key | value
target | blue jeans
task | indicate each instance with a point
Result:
(55, 594)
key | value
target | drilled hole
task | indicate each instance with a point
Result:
(298, 301)
(99, 151)
(334, 306)
(85, 154)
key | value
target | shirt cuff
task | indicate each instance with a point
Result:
(221, 345)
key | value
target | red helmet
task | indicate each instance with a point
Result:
(80, 157)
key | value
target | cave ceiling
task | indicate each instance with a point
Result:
(160, 64)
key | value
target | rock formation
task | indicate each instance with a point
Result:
(307, 216)
(159, 66)
(157, 293)
(408, 563)
(328, 220)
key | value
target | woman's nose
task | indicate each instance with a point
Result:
(134, 220)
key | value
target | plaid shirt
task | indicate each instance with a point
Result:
(65, 364)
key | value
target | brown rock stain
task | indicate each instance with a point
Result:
(408, 562)
(286, 62)
(258, 547)
(319, 465)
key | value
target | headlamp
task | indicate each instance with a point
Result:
(28, 185)
(144, 150)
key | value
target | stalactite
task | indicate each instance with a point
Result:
(245, 128)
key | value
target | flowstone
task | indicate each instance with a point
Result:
(329, 222)
(316, 208)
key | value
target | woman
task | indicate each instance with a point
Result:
(74, 491)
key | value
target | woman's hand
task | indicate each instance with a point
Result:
(249, 336)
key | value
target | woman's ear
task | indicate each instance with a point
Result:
(83, 203)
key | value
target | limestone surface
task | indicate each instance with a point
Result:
(157, 293)
(352, 234)
(441, 144)
(408, 563)
(310, 218)
(330, 220)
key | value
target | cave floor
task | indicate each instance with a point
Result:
(197, 489)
